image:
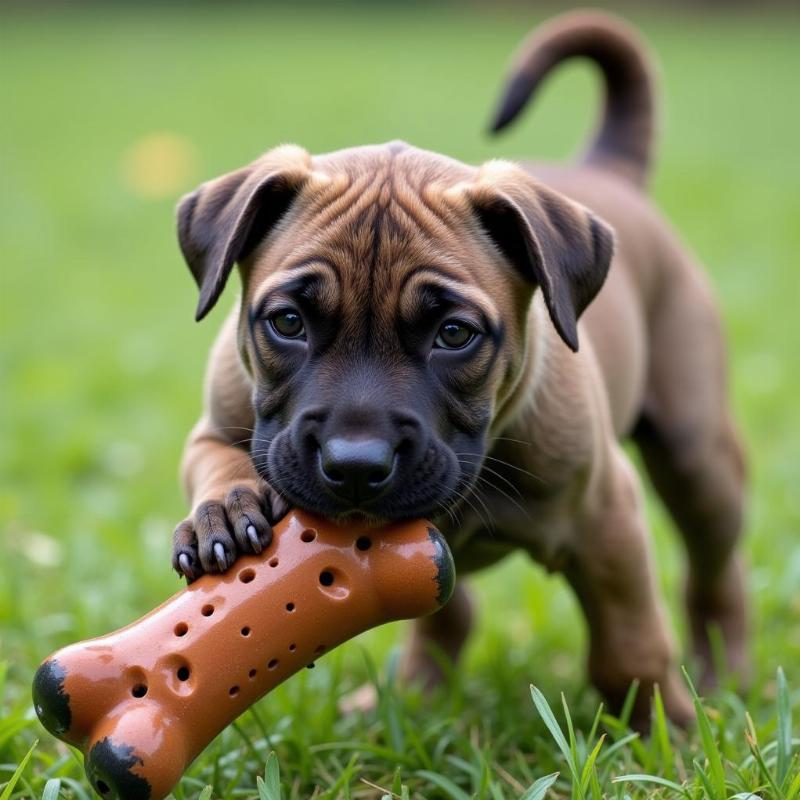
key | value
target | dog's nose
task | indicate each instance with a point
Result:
(356, 469)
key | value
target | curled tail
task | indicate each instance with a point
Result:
(624, 140)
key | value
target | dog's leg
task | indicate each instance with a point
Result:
(692, 452)
(232, 507)
(440, 635)
(610, 568)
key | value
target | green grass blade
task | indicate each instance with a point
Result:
(445, 784)
(485, 778)
(760, 763)
(51, 789)
(269, 787)
(704, 779)
(397, 783)
(588, 767)
(471, 769)
(793, 792)
(627, 705)
(595, 724)
(206, 793)
(709, 742)
(546, 713)
(573, 744)
(656, 779)
(784, 738)
(607, 759)
(538, 789)
(550, 721)
(6, 793)
(594, 785)
(659, 735)
(272, 775)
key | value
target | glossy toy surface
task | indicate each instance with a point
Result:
(144, 701)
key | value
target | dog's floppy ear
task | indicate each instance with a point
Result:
(223, 220)
(553, 242)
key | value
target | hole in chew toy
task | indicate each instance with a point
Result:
(177, 674)
(247, 575)
(252, 674)
(292, 647)
(363, 543)
(290, 607)
(334, 583)
(273, 562)
(273, 664)
(102, 787)
(207, 610)
(139, 690)
(233, 691)
(181, 629)
(246, 630)
(308, 535)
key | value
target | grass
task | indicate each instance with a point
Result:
(101, 366)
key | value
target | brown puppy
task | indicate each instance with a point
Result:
(407, 344)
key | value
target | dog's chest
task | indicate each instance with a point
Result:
(490, 524)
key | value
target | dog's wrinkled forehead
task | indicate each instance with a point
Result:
(369, 238)
(381, 212)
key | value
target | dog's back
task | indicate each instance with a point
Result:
(611, 178)
(654, 326)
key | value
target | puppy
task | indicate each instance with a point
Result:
(419, 337)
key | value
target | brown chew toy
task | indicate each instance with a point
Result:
(141, 703)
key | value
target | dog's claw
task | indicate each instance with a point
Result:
(219, 554)
(252, 535)
(185, 563)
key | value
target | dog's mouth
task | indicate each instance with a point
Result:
(430, 488)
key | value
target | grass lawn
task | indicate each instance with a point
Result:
(108, 115)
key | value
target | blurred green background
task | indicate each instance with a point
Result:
(109, 113)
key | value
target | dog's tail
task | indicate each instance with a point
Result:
(624, 140)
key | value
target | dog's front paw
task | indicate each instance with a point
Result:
(219, 531)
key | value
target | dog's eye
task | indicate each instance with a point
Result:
(454, 335)
(288, 324)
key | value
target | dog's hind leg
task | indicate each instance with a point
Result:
(692, 452)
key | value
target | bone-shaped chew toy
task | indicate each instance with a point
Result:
(141, 703)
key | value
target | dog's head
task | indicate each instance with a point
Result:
(384, 312)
